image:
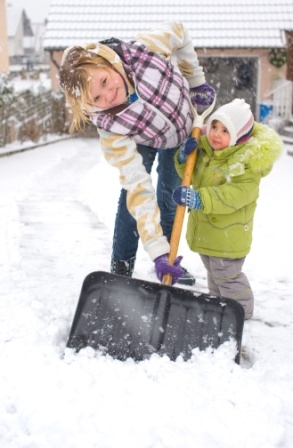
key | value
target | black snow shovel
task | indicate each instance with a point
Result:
(132, 318)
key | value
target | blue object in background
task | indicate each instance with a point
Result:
(266, 109)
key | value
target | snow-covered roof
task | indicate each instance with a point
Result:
(211, 23)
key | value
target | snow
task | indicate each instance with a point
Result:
(57, 207)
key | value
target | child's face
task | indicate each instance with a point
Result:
(219, 137)
(107, 88)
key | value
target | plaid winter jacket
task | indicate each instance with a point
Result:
(160, 67)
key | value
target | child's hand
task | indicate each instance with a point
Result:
(202, 95)
(188, 197)
(187, 148)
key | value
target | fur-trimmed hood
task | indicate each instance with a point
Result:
(263, 148)
(259, 152)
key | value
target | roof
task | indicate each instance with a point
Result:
(211, 23)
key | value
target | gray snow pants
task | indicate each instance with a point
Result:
(225, 279)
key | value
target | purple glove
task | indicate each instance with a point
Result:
(187, 148)
(163, 267)
(202, 95)
(188, 197)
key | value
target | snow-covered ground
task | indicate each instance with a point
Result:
(57, 208)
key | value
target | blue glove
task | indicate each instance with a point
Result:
(202, 95)
(188, 197)
(187, 148)
(163, 267)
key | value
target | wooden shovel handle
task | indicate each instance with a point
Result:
(180, 210)
(186, 181)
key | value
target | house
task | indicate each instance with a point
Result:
(242, 45)
(39, 29)
(20, 35)
(25, 38)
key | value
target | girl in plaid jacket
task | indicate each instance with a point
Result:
(139, 94)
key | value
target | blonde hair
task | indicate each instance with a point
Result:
(74, 80)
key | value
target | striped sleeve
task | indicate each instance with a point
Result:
(172, 41)
(120, 152)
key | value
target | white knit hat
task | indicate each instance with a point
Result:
(237, 118)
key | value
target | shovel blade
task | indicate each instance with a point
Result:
(131, 318)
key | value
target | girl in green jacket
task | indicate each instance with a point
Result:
(233, 156)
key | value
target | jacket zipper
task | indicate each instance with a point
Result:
(209, 161)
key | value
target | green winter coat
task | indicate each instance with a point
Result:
(228, 183)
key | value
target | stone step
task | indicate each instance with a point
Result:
(288, 129)
(286, 139)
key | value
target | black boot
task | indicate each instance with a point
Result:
(122, 267)
(186, 279)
